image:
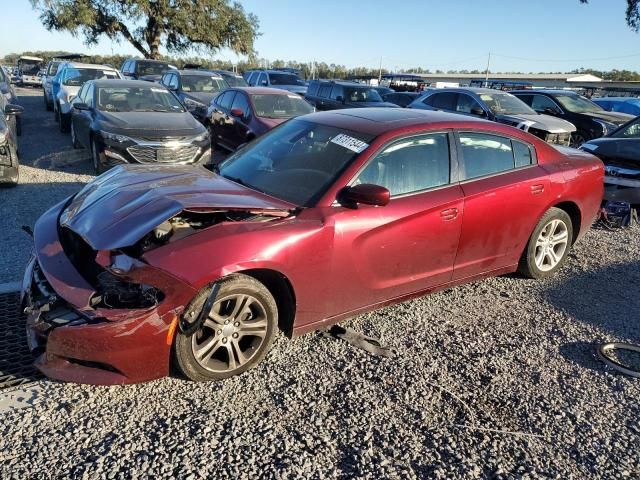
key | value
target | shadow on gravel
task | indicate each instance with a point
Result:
(607, 299)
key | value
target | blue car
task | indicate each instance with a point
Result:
(628, 105)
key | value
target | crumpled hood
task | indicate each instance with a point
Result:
(121, 206)
(547, 123)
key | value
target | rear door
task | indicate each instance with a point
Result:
(238, 125)
(410, 244)
(505, 193)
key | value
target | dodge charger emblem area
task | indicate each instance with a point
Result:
(151, 269)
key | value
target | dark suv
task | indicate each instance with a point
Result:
(194, 88)
(334, 95)
(276, 79)
(591, 120)
(150, 70)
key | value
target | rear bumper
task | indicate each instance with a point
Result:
(75, 342)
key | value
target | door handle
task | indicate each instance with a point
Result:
(537, 189)
(449, 214)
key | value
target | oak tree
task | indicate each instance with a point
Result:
(178, 25)
(632, 14)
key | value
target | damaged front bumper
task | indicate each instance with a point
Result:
(75, 341)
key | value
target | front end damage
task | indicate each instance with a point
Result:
(106, 316)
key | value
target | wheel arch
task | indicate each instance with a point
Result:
(573, 210)
(282, 290)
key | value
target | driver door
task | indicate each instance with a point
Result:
(410, 244)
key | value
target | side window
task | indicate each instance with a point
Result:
(324, 91)
(486, 154)
(521, 154)
(444, 101)
(261, 79)
(337, 91)
(241, 102)
(467, 104)
(124, 67)
(313, 89)
(82, 92)
(410, 165)
(88, 95)
(539, 103)
(630, 131)
(173, 81)
(227, 99)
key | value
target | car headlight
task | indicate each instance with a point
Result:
(193, 104)
(607, 127)
(201, 137)
(115, 137)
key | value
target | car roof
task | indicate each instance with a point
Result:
(149, 60)
(199, 73)
(225, 72)
(127, 83)
(262, 91)
(617, 99)
(549, 91)
(376, 121)
(347, 83)
(476, 90)
(93, 66)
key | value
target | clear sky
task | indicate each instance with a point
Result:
(525, 35)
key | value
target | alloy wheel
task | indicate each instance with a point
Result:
(232, 333)
(551, 245)
(577, 139)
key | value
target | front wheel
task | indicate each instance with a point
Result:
(95, 157)
(548, 245)
(74, 138)
(577, 138)
(236, 334)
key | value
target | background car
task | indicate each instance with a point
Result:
(194, 88)
(384, 90)
(28, 69)
(335, 95)
(401, 99)
(591, 120)
(149, 70)
(630, 105)
(233, 79)
(620, 153)
(136, 122)
(497, 106)
(238, 115)
(47, 79)
(70, 77)
(9, 160)
(329, 214)
(276, 79)
(9, 97)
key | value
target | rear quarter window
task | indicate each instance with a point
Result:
(313, 89)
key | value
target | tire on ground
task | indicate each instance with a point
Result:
(527, 266)
(183, 356)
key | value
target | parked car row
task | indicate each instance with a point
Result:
(9, 131)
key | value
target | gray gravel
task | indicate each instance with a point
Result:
(496, 379)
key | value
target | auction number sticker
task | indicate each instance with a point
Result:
(351, 143)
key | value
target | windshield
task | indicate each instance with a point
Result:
(630, 130)
(280, 106)
(30, 66)
(362, 95)
(235, 81)
(75, 77)
(578, 104)
(137, 99)
(202, 84)
(285, 79)
(506, 104)
(152, 68)
(296, 162)
(53, 69)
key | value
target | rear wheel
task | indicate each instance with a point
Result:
(56, 113)
(578, 138)
(47, 104)
(95, 157)
(74, 139)
(65, 121)
(237, 332)
(548, 245)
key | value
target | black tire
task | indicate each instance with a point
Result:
(47, 104)
(578, 138)
(212, 136)
(95, 157)
(18, 126)
(65, 122)
(74, 139)
(56, 113)
(234, 285)
(529, 265)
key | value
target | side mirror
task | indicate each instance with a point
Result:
(237, 112)
(81, 106)
(365, 193)
(13, 109)
(340, 99)
(478, 111)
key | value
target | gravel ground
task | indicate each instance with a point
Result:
(496, 379)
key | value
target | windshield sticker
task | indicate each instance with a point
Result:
(350, 143)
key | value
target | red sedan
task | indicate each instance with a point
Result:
(327, 216)
(238, 115)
